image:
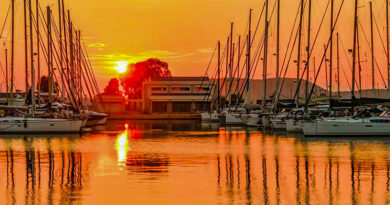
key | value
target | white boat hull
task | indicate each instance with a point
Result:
(345, 128)
(294, 126)
(39, 125)
(251, 120)
(266, 122)
(231, 119)
(278, 124)
(209, 117)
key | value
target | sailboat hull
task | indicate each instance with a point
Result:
(294, 126)
(39, 125)
(346, 128)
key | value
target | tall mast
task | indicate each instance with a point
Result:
(61, 47)
(326, 71)
(278, 46)
(49, 54)
(338, 66)
(354, 54)
(249, 52)
(265, 62)
(6, 72)
(38, 53)
(231, 61)
(25, 45)
(65, 39)
(359, 60)
(308, 53)
(239, 52)
(299, 49)
(32, 59)
(219, 76)
(79, 66)
(387, 44)
(331, 54)
(11, 99)
(227, 70)
(372, 50)
(71, 53)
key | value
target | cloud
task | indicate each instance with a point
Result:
(96, 45)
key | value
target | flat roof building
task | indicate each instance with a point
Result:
(177, 95)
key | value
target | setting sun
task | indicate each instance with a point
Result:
(121, 66)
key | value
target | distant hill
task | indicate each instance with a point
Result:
(369, 93)
(289, 88)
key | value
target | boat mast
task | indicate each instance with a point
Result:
(239, 55)
(11, 99)
(299, 49)
(71, 56)
(338, 67)
(32, 59)
(354, 55)
(25, 45)
(372, 50)
(61, 47)
(6, 72)
(79, 67)
(219, 76)
(359, 60)
(265, 62)
(49, 54)
(38, 53)
(277, 47)
(231, 61)
(248, 72)
(331, 54)
(387, 44)
(308, 53)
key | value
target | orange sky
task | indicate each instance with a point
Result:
(184, 33)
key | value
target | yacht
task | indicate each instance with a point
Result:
(372, 126)
(39, 125)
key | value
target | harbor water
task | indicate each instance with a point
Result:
(189, 162)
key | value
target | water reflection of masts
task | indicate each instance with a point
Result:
(353, 194)
(10, 177)
(50, 184)
(247, 171)
(277, 165)
(306, 158)
(264, 166)
(30, 169)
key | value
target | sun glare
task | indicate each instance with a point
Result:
(121, 66)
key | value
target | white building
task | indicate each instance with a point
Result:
(177, 95)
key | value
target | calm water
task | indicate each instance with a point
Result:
(192, 163)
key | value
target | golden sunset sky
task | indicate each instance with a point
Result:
(184, 33)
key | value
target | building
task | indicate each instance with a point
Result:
(177, 95)
(110, 104)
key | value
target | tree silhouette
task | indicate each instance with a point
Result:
(137, 73)
(113, 87)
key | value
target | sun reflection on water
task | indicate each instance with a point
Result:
(122, 147)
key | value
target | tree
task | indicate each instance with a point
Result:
(137, 73)
(113, 87)
(44, 85)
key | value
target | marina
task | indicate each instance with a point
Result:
(182, 162)
(176, 102)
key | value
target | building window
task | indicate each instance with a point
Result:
(159, 89)
(159, 107)
(202, 89)
(181, 107)
(181, 89)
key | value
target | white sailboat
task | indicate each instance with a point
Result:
(39, 125)
(374, 126)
